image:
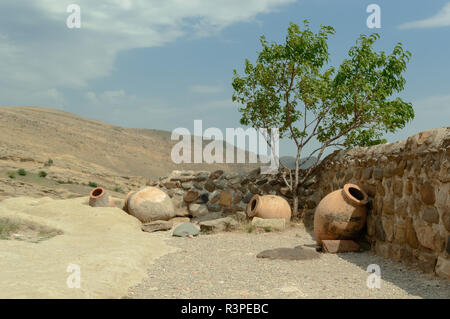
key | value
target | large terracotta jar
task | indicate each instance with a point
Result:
(269, 206)
(149, 204)
(341, 214)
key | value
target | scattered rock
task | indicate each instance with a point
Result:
(198, 185)
(431, 215)
(216, 174)
(198, 210)
(247, 198)
(186, 229)
(296, 253)
(157, 225)
(210, 186)
(214, 208)
(203, 198)
(427, 193)
(270, 224)
(170, 185)
(225, 199)
(180, 220)
(190, 196)
(209, 216)
(443, 267)
(241, 216)
(219, 184)
(217, 225)
(187, 185)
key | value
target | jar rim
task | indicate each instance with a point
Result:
(354, 194)
(253, 206)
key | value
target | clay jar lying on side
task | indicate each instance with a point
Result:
(341, 214)
(269, 206)
(149, 204)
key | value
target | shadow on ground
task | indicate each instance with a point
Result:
(407, 277)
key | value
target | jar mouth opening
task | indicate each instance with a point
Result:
(97, 192)
(253, 205)
(354, 194)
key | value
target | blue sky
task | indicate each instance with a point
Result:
(163, 64)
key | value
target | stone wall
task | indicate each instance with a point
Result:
(408, 183)
(219, 194)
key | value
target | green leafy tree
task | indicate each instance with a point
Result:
(292, 88)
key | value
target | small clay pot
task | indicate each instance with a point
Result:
(269, 206)
(341, 214)
(98, 197)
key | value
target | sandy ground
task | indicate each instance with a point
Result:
(114, 254)
(107, 244)
(224, 265)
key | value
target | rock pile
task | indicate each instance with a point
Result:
(207, 196)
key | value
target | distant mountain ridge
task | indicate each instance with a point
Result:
(289, 162)
(78, 143)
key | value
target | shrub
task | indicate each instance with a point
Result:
(92, 184)
(49, 162)
(42, 174)
(118, 189)
(11, 174)
(21, 172)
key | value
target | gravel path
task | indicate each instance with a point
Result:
(224, 265)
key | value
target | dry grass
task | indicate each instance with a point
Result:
(17, 229)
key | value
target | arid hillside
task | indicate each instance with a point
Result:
(81, 150)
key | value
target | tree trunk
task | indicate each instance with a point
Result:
(295, 204)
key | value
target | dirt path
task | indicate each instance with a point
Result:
(225, 266)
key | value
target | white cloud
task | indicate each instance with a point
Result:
(13, 96)
(122, 108)
(441, 19)
(205, 89)
(38, 52)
